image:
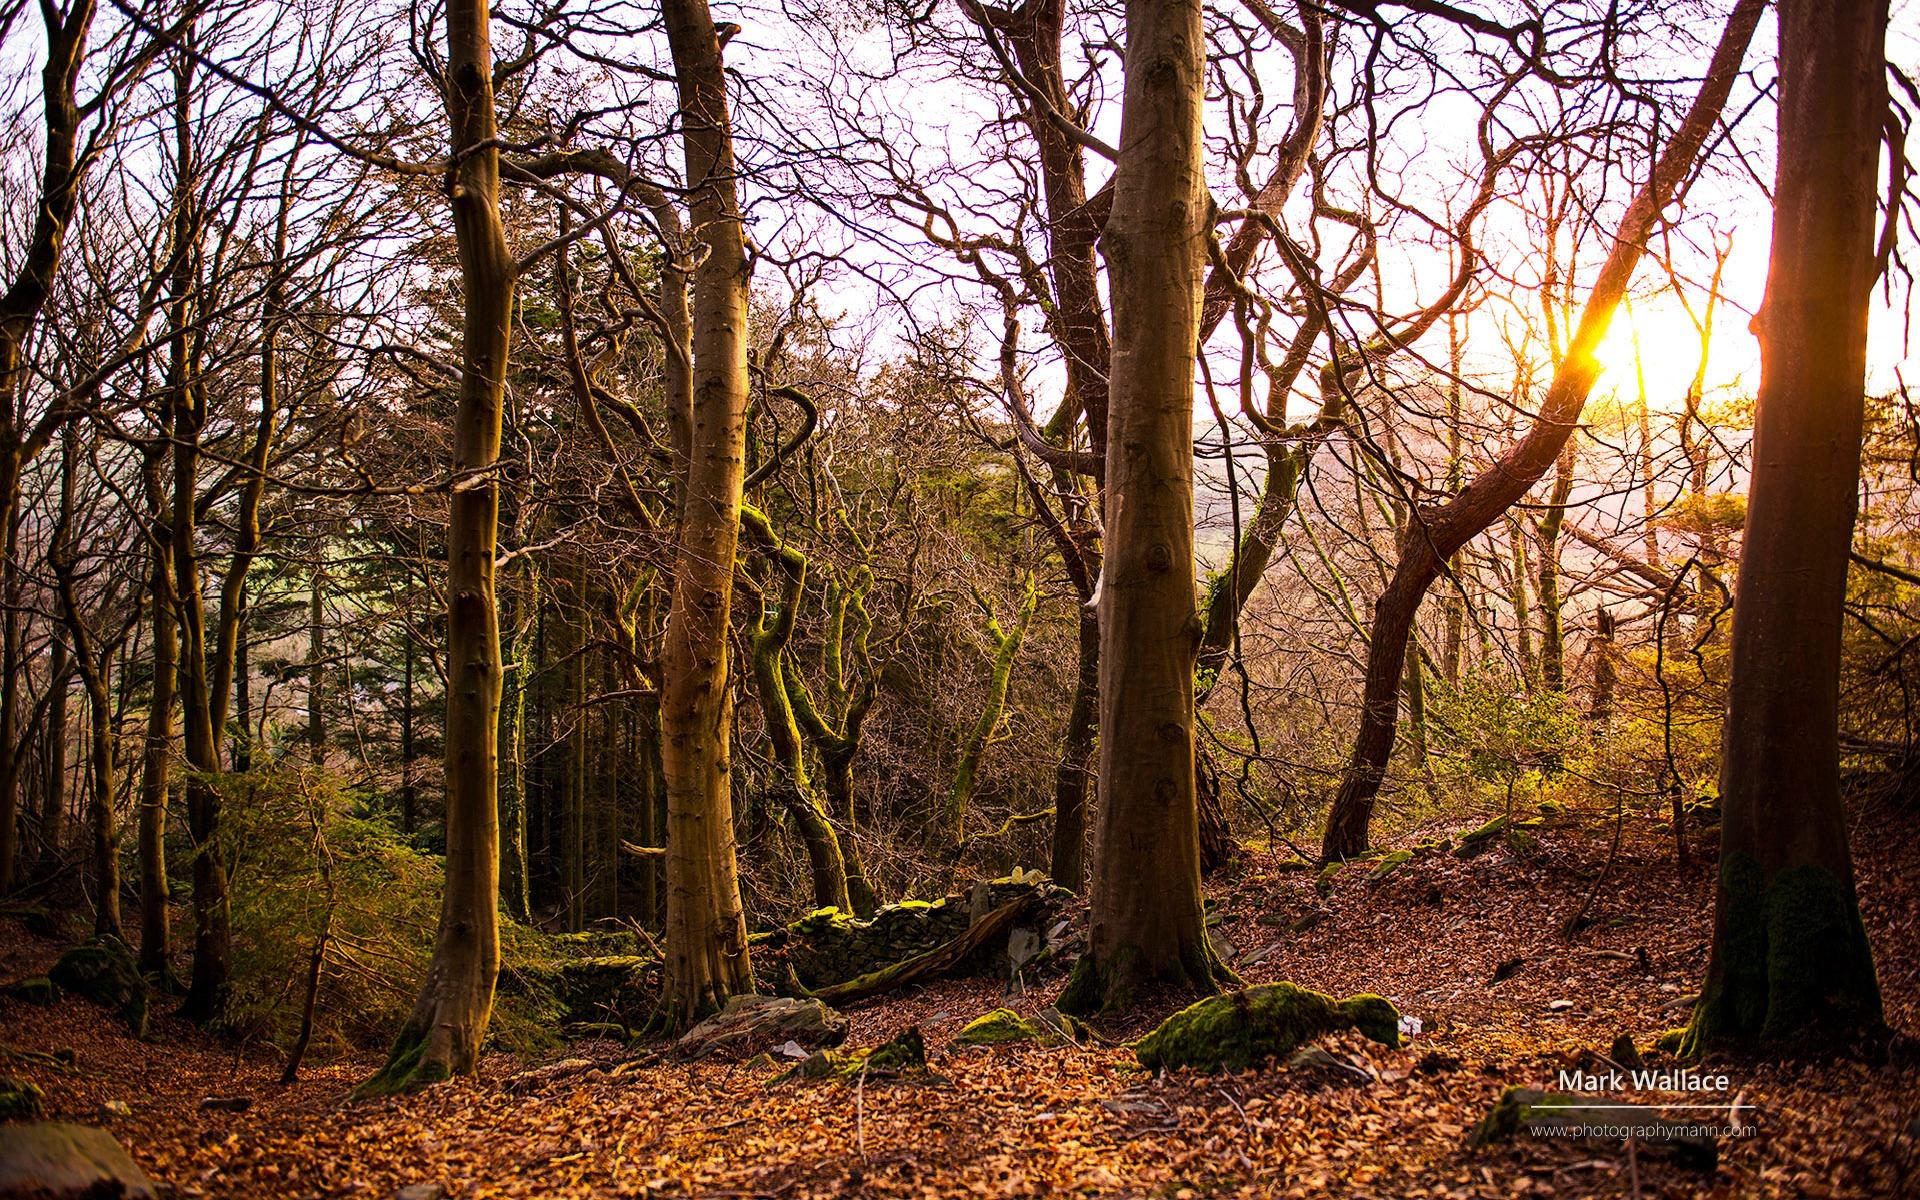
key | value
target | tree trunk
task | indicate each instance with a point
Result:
(442, 1036)
(1605, 670)
(1006, 646)
(156, 936)
(1072, 778)
(409, 794)
(26, 294)
(767, 639)
(1553, 647)
(1147, 927)
(92, 660)
(1789, 953)
(706, 927)
(515, 880)
(10, 670)
(53, 803)
(1436, 533)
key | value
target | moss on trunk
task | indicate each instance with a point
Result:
(1792, 960)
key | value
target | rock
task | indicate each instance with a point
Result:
(749, 1025)
(34, 989)
(234, 1104)
(421, 1191)
(1308, 920)
(115, 1108)
(20, 1099)
(1559, 1006)
(1319, 1063)
(1050, 1027)
(1626, 1053)
(67, 1162)
(1023, 946)
(1527, 1110)
(1323, 882)
(1240, 1029)
(102, 970)
(1389, 864)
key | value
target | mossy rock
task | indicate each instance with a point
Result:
(102, 970)
(20, 1099)
(1624, 1052)
(1526, 1110)
(748, 1025)
(1241, 1029)
(1323, 882)
(36, 990)
(1389, 864)
(1474, 842)
(1510, 1114)
(902, 1055)
(821, 920)
(1003, 1026)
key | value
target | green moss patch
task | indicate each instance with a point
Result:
(34, 989)
(1791, 960)
(1244, 1028)
(20, 1099)
(1388, 864)
(905, 1054)
(1003, 1026)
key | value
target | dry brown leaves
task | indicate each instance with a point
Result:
(1044, 1122)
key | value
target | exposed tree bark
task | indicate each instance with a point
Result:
(1147, 926)
(1437, 532)
(706, 926)
(1790, 956)
(443, 1034)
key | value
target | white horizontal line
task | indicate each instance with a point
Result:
(1631, 1107)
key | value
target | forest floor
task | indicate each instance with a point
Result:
(1031, 1121)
